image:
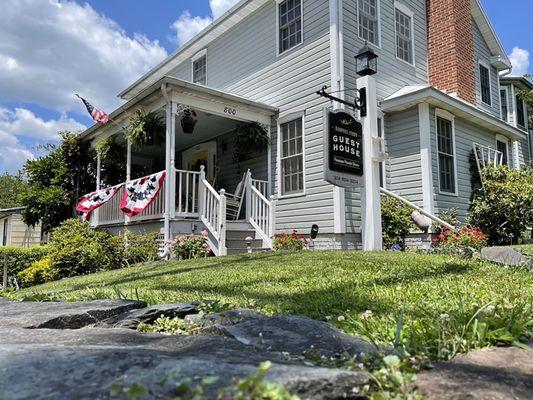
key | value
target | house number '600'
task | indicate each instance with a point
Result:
(229, 110)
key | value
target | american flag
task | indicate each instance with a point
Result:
(96, 114)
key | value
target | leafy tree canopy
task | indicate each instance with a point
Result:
(13, 189)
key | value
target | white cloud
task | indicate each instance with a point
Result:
(187, 26)
(22, 123)
(520, 61)
(49, 51)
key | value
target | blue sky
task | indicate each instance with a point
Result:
(51, 50)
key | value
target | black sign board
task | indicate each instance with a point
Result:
(345, 144)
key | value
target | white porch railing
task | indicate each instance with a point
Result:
(261, 214)
(187, 193)
(154, 210)
(110, 212)
(213, 214)
(262, 186)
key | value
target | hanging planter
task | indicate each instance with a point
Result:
(146, 129)
(188, 121)
(250, 139)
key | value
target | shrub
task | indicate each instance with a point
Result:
(503, 209)
(41, 271)
(140, 248)
(396, 222)
(292, 242)
(465, 237)
(192, 246)
(76, 249)
(20, 258)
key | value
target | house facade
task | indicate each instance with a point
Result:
(14, 232)
(439, 99)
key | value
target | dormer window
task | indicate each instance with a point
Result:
(290, 24)
(484, 81)
(199, 68)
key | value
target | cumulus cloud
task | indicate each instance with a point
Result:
(51, 50)
(520, 61)
(187, 26)
(22, 123)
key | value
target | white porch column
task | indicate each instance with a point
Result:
(269, 161)
(425, 158)
(128, 160)
(168, 144)
(370, 193)
(171, 178)
(95, 217)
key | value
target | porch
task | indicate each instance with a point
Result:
(205, 184)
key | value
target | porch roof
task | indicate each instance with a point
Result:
(189, 94)
(410, 96)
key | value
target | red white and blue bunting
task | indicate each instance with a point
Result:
(140, 193)
(92, 201)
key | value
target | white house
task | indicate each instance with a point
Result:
(439, 96)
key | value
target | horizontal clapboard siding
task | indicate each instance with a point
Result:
(244, 61)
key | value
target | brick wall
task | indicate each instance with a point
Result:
(451, 47)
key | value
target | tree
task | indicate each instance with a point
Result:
(13, 190)
(57, 180)
(527, 96)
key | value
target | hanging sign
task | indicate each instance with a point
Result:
(343, 139)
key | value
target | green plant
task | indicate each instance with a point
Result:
(396, 222)
(140, 248)
(470, 237)
(39, 272)
(145, 129)
(20, 258)
(504, 208)
(290, 242)
(168, 326)
(192, 246)
(112, 153)
(393, 381)
(249, 140)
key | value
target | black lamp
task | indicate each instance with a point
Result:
(366, 61)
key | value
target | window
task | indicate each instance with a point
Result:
(369, 20)
(503, 101)
(446, 154)
(290, 24)
(404, 36)
(520, 117)
(199, 69)
(292, 160)
(501, 146)
(484, 80)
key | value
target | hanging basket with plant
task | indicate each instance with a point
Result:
(188, 120)
(250, 139)
(146, 129)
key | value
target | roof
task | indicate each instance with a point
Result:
(6, 212)
(520, 81)
(230, 18)
(183, 87)
(500, 59)
(410, 96)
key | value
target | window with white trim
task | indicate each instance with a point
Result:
(290, 24)
(503, 147)
(484, 82)
(446, 155)
(520, 112)
(292, 158)
(503, 102)
(368, 20)
(199, 70)
(404, 36)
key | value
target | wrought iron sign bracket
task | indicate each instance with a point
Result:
(359, 102)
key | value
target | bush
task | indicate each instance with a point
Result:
(465, 237)
(292, 242)
(396, 222)
(41, 271)
(503, 209)
(76, 249)
(20, 258)
(140, 248)
(192, 246)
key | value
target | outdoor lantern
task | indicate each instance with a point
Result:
(366, 61)
(314, 231)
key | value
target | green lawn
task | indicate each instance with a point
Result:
(326, 285)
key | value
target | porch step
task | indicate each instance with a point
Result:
(241, 250)
(239, 243)
(240, 235)
(238, 226)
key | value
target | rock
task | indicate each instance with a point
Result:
(506, 255)
(499, 373)
(62, 315)
(87, 362)
(290, 334)
(133, 318)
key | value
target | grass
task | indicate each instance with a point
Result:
(428, 303)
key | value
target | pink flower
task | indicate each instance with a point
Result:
(204, 233)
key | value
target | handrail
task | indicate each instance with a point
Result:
(262, 215)
(259, 194)
(420, 210)
(212, 210)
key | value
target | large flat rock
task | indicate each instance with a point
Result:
(507, 256)
(62, 315)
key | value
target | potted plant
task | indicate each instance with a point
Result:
(188, 121)
(249, 140)
(146, 129)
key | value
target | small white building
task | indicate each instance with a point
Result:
(14, 232)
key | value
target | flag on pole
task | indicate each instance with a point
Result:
(96, 114)
(92, 201)
(140, 193)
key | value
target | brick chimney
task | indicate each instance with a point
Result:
(451, 47)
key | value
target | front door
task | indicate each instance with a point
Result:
(201, 154)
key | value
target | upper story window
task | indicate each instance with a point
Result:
(404, 34)
(199, 68)
(290, 24)
(520, 112)
(369, 20)
(501, 146)
(484, 81)
(446, 155)
(503, 102)
(292, 159)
